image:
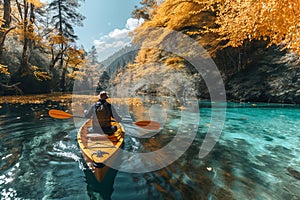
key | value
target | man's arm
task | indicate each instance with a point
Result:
(115, 115)
(90, 112)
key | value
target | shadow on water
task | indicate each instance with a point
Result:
(103, 189)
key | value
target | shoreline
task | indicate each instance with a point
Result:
(68, 97)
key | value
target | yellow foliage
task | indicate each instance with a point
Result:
(177, 14)
(233, 21)
(75, 57)
(58, 39)
(172, 15)
(2, 21)
(39, 75)
(77, 63)
(36, 3)
(175, 62)
(4, 69)
(272, 20)
(77, 75)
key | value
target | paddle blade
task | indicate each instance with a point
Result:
(150, 125)
(59, 114)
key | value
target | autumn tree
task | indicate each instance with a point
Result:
(87, 75)
(145, 11)
(235, 21)
(172, 15)
(223, 25)
(76, 61)
(245, 20)
(250, 24)
(41, 40)
(26, 30)
(65, 17)
(18, 40)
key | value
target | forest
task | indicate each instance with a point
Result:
(38, 45)
(38, 50)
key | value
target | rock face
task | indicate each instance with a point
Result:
(273, 80)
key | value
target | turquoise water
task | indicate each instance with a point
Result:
(256, 157)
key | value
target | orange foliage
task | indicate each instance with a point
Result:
(75, 60)
(40, 75)
(234, 21)
(273, 20)
(4, 69)
(175, 62)
(36, 3)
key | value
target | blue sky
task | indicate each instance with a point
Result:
(106, 25)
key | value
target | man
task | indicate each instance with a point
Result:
(102, 113)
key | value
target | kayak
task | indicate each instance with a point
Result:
(98, 150)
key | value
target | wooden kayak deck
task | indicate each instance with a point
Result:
(98, 149)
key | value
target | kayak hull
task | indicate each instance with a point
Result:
(99, 150)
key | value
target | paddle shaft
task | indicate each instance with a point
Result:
(124, 122)
(59, 114)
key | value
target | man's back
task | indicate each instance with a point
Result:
(103, 113)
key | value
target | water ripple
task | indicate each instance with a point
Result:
(257, 156)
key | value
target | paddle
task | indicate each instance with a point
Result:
(150, 125)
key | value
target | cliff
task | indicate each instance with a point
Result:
(274, 78)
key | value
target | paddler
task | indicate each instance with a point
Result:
(102, 113)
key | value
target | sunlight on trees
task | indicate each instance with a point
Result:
(233, 21)
(76, 61)
(37, 39)
(40, 75)
(231, 31)
(277, 22)
(65, 16)
(4, 69)
(172, 15)
(26, 31)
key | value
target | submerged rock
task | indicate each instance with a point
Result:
(294, 173)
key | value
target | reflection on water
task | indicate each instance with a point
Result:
(257, 156)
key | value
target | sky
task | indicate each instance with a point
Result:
(106, 25)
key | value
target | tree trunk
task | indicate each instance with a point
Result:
(64, 70)
(5, 26)
(28, 29)
(63, 79)
(23, 70)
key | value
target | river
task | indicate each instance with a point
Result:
(257, 156)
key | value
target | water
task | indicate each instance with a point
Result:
(256, 157)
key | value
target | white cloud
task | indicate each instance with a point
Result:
(116, 39)
(118, 34)
(133, 23)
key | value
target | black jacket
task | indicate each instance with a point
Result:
(91, 113)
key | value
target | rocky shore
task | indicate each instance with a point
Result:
(273, 81)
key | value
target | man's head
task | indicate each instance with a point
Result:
(103, 95)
